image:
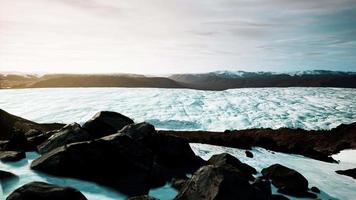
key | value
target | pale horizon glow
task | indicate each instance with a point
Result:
(176, 36)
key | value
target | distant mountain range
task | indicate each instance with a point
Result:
(218, 80)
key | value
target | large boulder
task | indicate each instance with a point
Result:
(116, 161)
(11, 156)
(219, 183)
(45, 191)
(105, 123)
(70, 133)
(10, 123)
(348, 172)
(288, 181)
(227, 159)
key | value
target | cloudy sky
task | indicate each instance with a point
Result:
(170, 36)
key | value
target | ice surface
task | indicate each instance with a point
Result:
(179, 109)
(307, 108)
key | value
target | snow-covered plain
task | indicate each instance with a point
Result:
(308, 108)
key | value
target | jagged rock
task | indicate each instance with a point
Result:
(12, 156)
(227, 159)
(348, 172)
(288, 181)
(70, 133)
(263, 185)
(10, 123)
(105, 123)
(142, 197)
(45, 191)
(219, 183)
(249, 154)
(116, 161)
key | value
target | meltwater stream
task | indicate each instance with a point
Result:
(181, 109)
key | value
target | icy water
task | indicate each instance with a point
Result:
(180, 109)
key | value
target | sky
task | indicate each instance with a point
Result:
(176, 36)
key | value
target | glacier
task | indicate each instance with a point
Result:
(184, 109)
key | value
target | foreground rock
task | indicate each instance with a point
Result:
(45, 191)
(227, 159)
(11, 156)
(105, 123)
(9, 124)
(348, 172)
(318, 145)
(4, 175)
(288, 181)
(143, 197)
(70, 133)
(131, 161)
(219, 183)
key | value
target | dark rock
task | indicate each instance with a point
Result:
(10, 123)
(70, 133)
(278, 197)
(12, 156)
(6, 175)
(143, 197)
(105, 123)
(249, 154)
(288, 181)
(17, 142)
(33, 133)
(263, 185)
(348, 172)
(175, 152)
(219, 183)
(315, 189)
(144, 133)
(116, 161)
(179, 183)
(45, 191)
(227, 159)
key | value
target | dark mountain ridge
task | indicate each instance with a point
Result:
(219, 80)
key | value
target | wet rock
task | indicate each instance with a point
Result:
(227, 159)
(105, 123)
(143, 197)
(249, 154)
(6, 175)
(115, 160)
(263, 185)
(219, 183)
(45, 191)
(179, 183)
(11, 156)
(17, 142)
(70, 133)
(348, 172)
(288, 181)
(315, 189)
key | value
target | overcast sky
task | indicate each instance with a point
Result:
(175, 36)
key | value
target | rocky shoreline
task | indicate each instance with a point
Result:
(112, 150)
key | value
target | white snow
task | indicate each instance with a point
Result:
(307, 108)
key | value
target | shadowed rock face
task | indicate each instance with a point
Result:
(6, 175)
(125, 161)
(348, 172)
(105, 123)
(10, 123)
(288, 181)
(45, 191)
(219, 183)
